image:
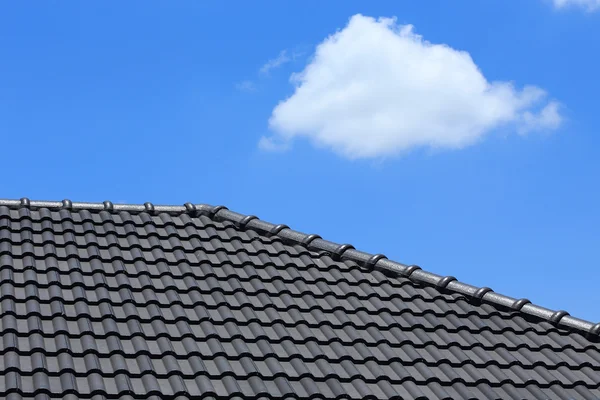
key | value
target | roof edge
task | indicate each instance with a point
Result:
(337, 251)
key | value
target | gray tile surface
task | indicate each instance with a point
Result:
(98, 304)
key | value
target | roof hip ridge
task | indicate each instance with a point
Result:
(337, 251)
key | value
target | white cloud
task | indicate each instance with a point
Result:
(547, 118)
(276, 62)
(245, 86)
(589, 5)
(375, 88)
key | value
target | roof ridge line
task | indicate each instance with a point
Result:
(337, 251)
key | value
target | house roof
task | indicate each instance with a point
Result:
(105, 300)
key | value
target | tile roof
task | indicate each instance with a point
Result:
(100, 300)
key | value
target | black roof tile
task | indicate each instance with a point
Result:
(105, 301)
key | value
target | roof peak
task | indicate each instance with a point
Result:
(337, 251)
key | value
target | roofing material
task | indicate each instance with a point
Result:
(109, 300)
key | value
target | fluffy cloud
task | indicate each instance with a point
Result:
(589, 5)
(375, 88)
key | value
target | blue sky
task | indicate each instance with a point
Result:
(479, 159)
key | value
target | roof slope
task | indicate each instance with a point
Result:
(107, 301)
